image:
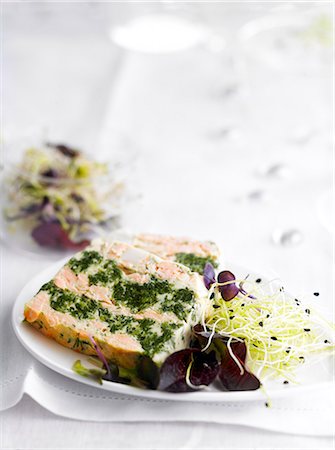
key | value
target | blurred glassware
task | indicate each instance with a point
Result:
(161, 27)
(287, 71)
(157, 33)
(287, 238)
(56, 198)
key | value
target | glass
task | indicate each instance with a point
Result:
(158, 27)
(288, 74)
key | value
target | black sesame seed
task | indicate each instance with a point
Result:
(285, 382)
(267, 316)
(261, 324)
(307, 329)
(326, 341)
(212, 296)
(301, 357)
(316, 294)
(216, 306)
(231, 318)
(231, 310)
(281, 289)
(274, 338)
(242, 304)
(258, 280)
(267, 405)
(307, 311)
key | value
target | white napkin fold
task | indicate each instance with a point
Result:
(307, 414)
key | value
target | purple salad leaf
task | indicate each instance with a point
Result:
(205, 368)
(101, 356)
(173, 371)
(147, 372)
(50, 173)
(230, 373)
(246, 293)
(173, 374)
(28, 210)
(51, 234)
(200, 337)
(112, 370)
(209, 275)
(65, 150)
(36, 207)
(240, 350)
(228, 291)
(76, 197)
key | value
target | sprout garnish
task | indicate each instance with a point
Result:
(279, 332)
(61, 196)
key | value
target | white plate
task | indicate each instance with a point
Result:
(61, 359)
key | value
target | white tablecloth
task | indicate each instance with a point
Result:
(195, 180)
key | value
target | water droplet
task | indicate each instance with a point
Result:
(224, 133)
(228, 91)
(274, 171)
(224, 92)
(258, 195)
(287, 238)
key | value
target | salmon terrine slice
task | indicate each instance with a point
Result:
(130, 301)
(191, 253)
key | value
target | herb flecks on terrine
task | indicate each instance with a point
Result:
(130, 301)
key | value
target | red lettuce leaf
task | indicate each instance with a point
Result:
(204, 370)
(240, 350)
(51, 234)
(230, 373)
(209, 275)
(228, 291)
(200, 337)
(65, 150)
(147, 372)
(50, 173)
(101, 357)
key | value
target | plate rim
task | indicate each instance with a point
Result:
(126, 390)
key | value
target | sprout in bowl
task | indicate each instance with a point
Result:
(59, 198)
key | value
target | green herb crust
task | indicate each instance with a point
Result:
(180, 303)
(65, 301)
(151, 335)
(109, 274)
(137, 297)
(87, 259)
(194, 262)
